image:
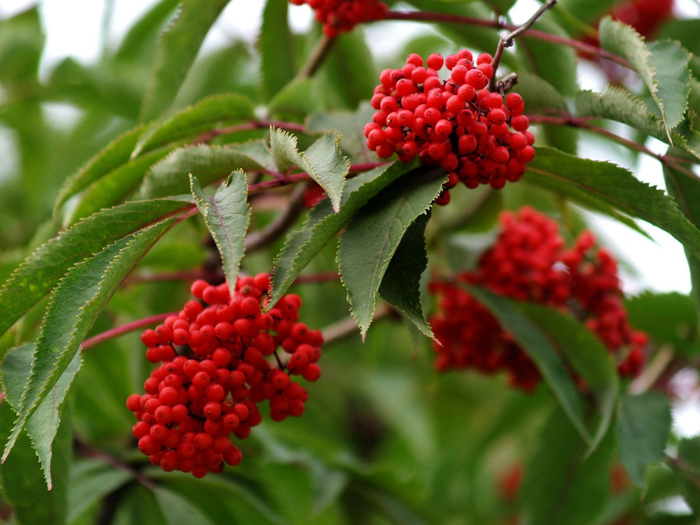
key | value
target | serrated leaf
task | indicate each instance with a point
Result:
(283, 148)
(227, 215)
(585, 181)
(75, 304)
(322, 224)
(643, 429)
(40, 272)
(540, 96)
(373, 235)
(210, 163)
(22, 481)
(536, 345)
(325, 163)
(145, 31)
(177, 510)
(90, 481)
(256, 150)
(177, 50)
(199, 117)
(353, 143)
(560, 487)
(115, 154)
(588, 357)
(618, 104)
(659, 76)
(276, 48)
(43, 425)
(401, 283)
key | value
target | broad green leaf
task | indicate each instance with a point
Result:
(588, 356)
(322, 224)
(586, 181)
(283, 148)
(43, 425)
(256, 150)
(210, 163)
(354, 143)
(177, 49)
(661, 65)
(689, 466)
(75, 304)
(92, 480)
(227, 215)
(325, 163)
(643, 428)
(22, 481)
(296, 100)
(202, 116)
(115, 186)
(561, 485)
(114, 155)
(618, 104)
(40, 272)
(21, 43)
(144, 33)
(373, 235)
(553, 62)
(540, 96)
(587, 11)
(668, 318)
(536, 345)
(401, 283)
(177, 510)
(276, 48)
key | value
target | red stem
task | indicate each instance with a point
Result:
(121, 330)
(248, 126)
(420, 16)
(317, 278)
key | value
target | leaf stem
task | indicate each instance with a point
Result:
(421, 16)
(508, 39)
(316, 58)
(348, 326)
(121, 330)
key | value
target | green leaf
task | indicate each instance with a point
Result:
(588, 356)
(114, 155)
(689, 465)
(202, 116)
(210, 163)
(138, 39)
(537, 346)
(43, 425)
(296, 100)
(643, 429)
(283, 148)
(21, 43)
(663, 67)
(276, 48)
(668, 318)
(401, 283)
(372, 237)
(23, 483)
(322, 224)
(177, 510)
(589, 182)
(325, 163)
(40, 272)
(560, 486)
(177, 50)
(553, 62)
(92, 480)
(618, 104)
(75, 304)
(227, 215)
(540, 96)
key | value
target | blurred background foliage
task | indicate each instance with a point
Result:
(384, 438)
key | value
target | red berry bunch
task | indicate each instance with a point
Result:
(457, 123)
(219, 361)
(529, 262)
(338, 16)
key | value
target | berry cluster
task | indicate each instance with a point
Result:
(457, 124)
(194, 401)
(338, 16)
(529, 262)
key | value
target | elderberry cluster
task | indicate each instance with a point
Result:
(529, 262)
(338, 16)
(457, 123)
(227, 365)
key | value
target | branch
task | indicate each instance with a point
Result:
(280, 224)
(420, 16)
(316, 58)
(121, 330)
(508, 39)
(348, 326)
(653, 371)
(248, 126)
